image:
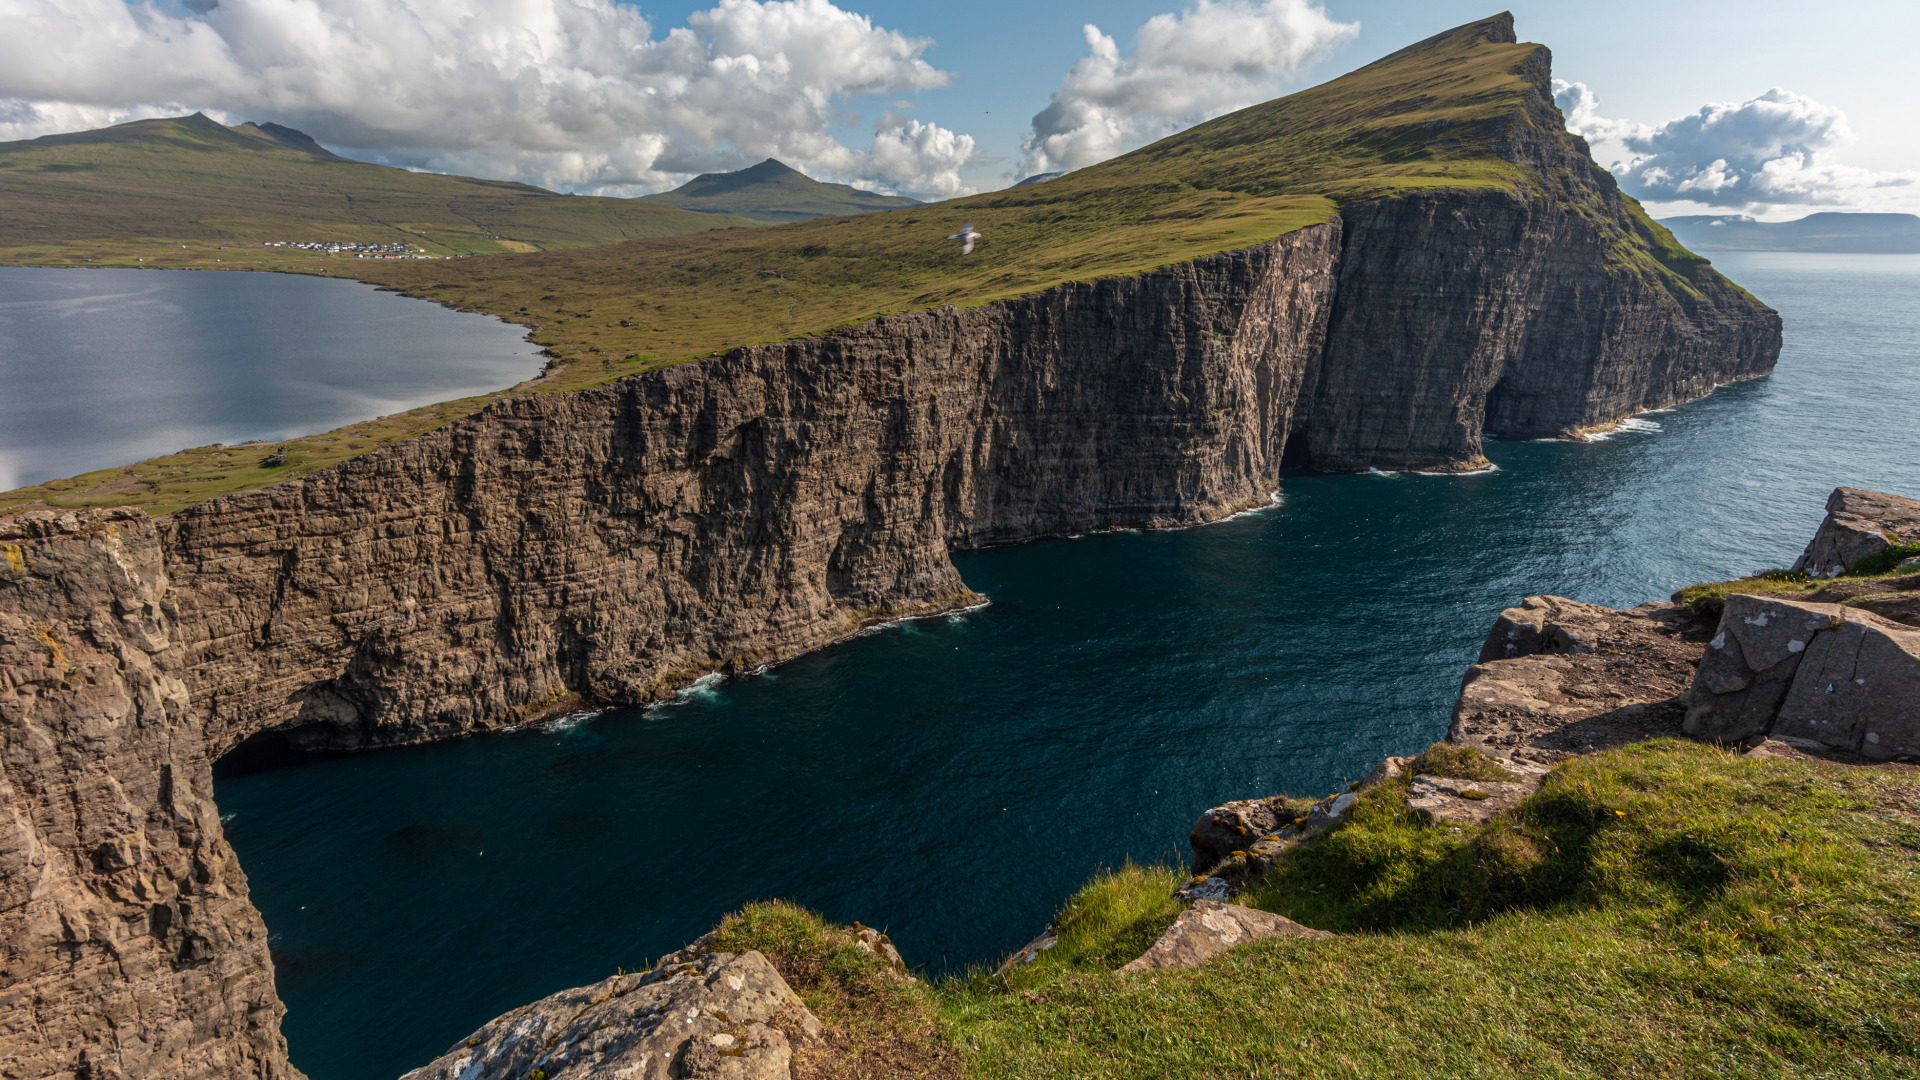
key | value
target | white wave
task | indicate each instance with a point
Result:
(1631, 423)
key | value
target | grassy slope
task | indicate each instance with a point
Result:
(1428, 117)
(773, 192)
(1667, 909)
(187, 191)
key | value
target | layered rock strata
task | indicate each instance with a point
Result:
(1551, 307)
(128, 945)
(614, 544)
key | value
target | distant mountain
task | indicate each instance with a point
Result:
(1868, 234)
(773, 192)
(1040, 178)
(186, 188)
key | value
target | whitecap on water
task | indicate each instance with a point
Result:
(1631, 423)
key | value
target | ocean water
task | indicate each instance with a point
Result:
(106, 367)
(953, 780)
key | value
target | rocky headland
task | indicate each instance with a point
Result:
(611, 545)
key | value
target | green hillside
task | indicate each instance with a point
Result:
(1432, 116)
(189, 190)
(774, 193)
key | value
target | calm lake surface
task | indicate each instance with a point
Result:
(107, 367)
(954, 780)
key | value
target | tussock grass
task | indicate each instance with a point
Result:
(1661, 910)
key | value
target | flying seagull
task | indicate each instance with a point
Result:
(966, 236)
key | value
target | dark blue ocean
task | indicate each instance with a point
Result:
(952, 780)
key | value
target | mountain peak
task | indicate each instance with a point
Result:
(773, 191)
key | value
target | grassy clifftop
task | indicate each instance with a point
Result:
(1457, 111)
(187, 191)
(1662, 910)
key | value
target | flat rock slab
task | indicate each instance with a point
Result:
(1209, 928)
(1442, 799)
(721, 1016)
(1558, 677)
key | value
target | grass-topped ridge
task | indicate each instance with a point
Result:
(1667, 909)
(1469, 109)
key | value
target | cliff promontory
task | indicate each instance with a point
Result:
(1466, 268)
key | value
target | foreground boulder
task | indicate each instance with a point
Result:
(1209, 928)
(1825, 674)
(719, 1016)
(1859, 523)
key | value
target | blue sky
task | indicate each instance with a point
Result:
(1647, 61)
(1764, 106)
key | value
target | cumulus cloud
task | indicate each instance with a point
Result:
(572, 94)
(1771, 150)
(1212, 58)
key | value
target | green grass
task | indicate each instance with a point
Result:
(1665, 909)
(1861, 581)
(186, 192)
(1438, 115)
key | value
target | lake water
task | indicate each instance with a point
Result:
(107, 367)
(953, 780)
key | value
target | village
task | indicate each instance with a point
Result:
(361, 251)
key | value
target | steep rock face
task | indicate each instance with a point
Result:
(615, 543)
(1532, 312)
(128, 945)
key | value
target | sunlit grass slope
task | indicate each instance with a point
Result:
(1664, 910)
(188, 191)
(1435, 115)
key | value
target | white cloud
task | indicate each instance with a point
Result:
(572, 94)
(1772, 150)
(1212, 58)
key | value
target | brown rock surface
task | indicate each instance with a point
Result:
(1209, 928)
(128, 946)
(1750, 663)
(1594, 677)
(616, 543)
(722, 1016)
(1857, 525)
(1448, 801)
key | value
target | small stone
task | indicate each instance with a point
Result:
(1210, 928)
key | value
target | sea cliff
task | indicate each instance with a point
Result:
(610, 545)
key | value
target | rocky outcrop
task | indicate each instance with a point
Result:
(720, 1016)
(1809, 674)
(1859, 524)
(1558, 677)
(128, 946)
(1209, 928)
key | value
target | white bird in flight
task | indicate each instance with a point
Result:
(966, 236)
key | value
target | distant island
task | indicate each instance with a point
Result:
(1860, 234)
(774, 192)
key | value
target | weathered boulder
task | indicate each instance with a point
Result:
(1237, 825)
(1858, 524)
(1750, 664)
(1546, 624)
(1446, 800)
(1209, 928)
(1858, 689)
(718, 1016)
